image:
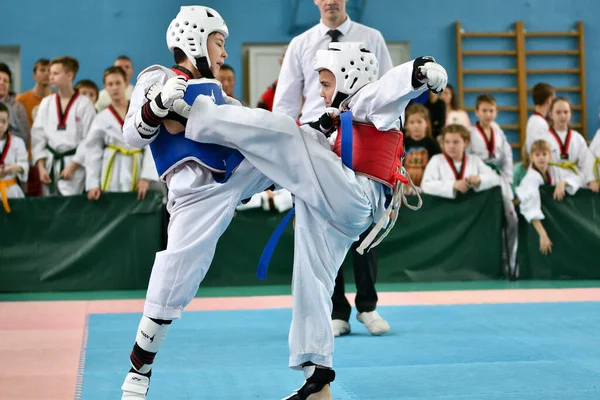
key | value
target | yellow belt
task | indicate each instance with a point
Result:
(596, 168)
(111, 162)
(3, 185)
(572, 165)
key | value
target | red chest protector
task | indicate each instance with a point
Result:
(370, 152)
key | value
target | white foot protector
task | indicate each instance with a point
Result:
(135, 387)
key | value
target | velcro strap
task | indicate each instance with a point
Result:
(145, 129)
(322, 375)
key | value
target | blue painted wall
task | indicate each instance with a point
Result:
(97, 31)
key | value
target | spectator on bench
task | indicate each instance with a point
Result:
(454, 171)
(111, 164)
(88, 89)
(542, 172)
(14, 163)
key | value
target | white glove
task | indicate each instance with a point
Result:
(172, 90)
(181, 107)
(435, 75)
(153, 91)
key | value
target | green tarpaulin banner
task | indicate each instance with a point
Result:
(70, 243)
(573, 226)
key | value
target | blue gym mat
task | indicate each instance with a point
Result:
(502, 351)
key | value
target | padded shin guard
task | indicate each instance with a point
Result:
(316, 379)
(149, 339)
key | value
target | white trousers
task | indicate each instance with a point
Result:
(201, 209)
(63, 187)
(333, 207)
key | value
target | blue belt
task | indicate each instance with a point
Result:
(265, 258)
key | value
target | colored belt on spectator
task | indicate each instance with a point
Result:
(596, 168)
(495, 167)
(3, 186)
(57, 157)
(572, 165)
(111, 162)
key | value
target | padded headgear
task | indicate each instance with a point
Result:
(352, 65)
(189, 32)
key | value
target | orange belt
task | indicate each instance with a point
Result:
(3, 186)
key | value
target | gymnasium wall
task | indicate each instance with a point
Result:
(97, 31)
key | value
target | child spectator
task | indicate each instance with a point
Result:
(88, 88)
(418, 143)
(593, 167)
(14, 165)
(62, 122)
(126, 64)
(19, 122)
(537, 124)
(454, 171)
(541, 172)
(111, 164)
(489, 143)
(569, 148)
(454, 115)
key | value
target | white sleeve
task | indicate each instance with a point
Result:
(489, 177)
(572, 180)
(148, 172)
(39, 140)
(536, 129)
(506, 162)
(288, 96)
(433, 183)
(21, 158)
(528, 191)
(383, 101)
(591, 168)
(93, 147)
(585, 158)
(88, 114)
(138, 99)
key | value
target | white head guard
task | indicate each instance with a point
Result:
(352, 65)
(189, 32)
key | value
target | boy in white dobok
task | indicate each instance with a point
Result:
(489, 143)
(339, 193)
(111, 164)
(205, 182)
(61, 124)
(454, 171)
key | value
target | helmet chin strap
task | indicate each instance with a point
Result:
(337, 100)
(203, 68)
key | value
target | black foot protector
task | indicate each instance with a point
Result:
(314, 384)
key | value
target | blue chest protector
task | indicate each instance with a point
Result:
(169, 149)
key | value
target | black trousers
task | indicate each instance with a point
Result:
(365, 275)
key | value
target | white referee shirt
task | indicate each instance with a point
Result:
(298, 77)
